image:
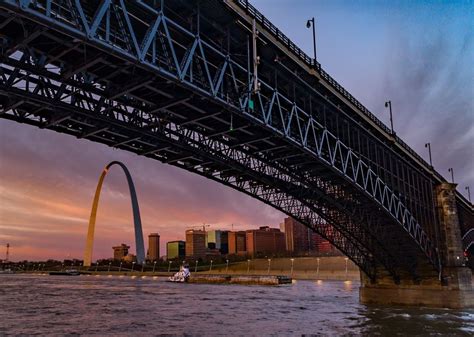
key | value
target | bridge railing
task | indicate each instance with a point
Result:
(311, 62)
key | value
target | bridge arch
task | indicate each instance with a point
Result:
(468, 239)
(136, 216)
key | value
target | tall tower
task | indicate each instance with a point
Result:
(195, 243)
(154, 247)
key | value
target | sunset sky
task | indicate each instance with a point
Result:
(418, 56)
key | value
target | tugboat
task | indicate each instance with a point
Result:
(181, 276)
(67, 272)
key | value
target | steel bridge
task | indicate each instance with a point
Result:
(214, 88)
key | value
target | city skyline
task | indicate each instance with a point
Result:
(48, 179)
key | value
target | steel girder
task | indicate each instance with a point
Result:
(226, 84)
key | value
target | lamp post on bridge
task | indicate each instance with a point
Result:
(428, 145)
(309, 23)
(388, 104)
(468, 193)
(452, 174)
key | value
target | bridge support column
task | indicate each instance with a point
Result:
(453, 289)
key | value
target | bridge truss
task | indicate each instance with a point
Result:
(173, 82)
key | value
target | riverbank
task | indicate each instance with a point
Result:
(335, 268)
(304, 268)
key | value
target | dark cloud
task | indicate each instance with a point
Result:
(429, 79)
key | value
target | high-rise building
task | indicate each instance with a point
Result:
(217, 239)
(301, 240)
(237, 243)
(195, 243)
(154, 247)
(323, 246)
(175, 250)
(120, 251)
(265, 240)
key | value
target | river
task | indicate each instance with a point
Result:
(123, 306)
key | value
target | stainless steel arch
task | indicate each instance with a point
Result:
(136, 216)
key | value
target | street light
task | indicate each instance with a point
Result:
(468, 193)
(120, 268)
(269, 265)
(133, 265)
(388, 104)
(452, 173)
(196, 268)
(292, 263)
(169, 266)
(310, 23)
(108, 270)
(210, 268)
(428, 145)
(96, 265)
(248, 266)
(227, 266)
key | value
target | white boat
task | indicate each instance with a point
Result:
(181, 276)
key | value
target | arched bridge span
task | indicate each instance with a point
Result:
(175, 81)
(140, 250)
(468, 240)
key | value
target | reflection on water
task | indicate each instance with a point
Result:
(59, 305)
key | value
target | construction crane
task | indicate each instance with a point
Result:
(203, 226)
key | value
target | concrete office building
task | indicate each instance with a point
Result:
(175, 250)
(265, 240)
(218, 239)
(237, 243)
(120, 251)
(195, 243)
(153, 247)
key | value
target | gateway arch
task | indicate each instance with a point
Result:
(136, 216)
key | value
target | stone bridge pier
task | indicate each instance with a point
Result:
(451, 289)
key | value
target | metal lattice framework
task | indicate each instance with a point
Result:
(132, 76)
